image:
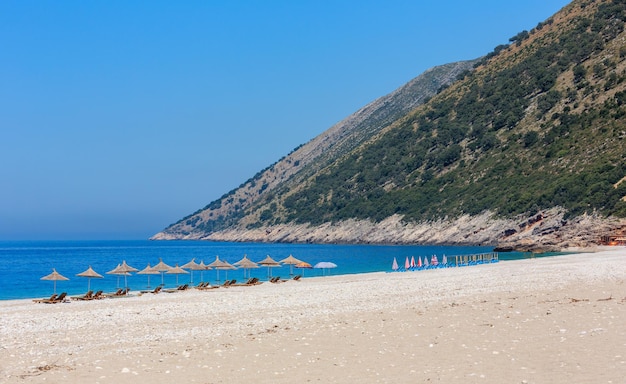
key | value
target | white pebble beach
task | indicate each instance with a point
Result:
(545, 320)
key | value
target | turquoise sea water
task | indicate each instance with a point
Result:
(22, 264)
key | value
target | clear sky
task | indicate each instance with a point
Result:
(118, 118)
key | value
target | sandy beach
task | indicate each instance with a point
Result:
(551, 320)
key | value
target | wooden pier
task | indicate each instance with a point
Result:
(479, 258)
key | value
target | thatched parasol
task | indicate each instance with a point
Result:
(54, 276)
(162, 268)
(221, 264)
(246, 264)
(89, 274)
(193, 266)
(269, 263)
(116, 271)
(291, 261)
(176, 271)
(126, 269)
(203, 267)
(148, 270)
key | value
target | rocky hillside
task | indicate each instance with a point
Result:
(306, 160)
(527, 151)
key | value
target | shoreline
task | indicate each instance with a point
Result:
(565, 252)
(556, 319)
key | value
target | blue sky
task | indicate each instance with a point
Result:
(118, 118)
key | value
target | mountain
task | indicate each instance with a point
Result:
(526, 150)
(309, 158)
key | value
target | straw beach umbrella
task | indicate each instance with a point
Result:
(54, 276)
(226, 266)
(116, 271)
(269, 263)
(291, 261)
(126, 270)
(176, 271)
(203, 267)
(246, 264)
(221, 264)
(192, 266)
(89, 274)
(148, 270)
(162, 268)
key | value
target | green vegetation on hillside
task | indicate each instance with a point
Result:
(540, 124)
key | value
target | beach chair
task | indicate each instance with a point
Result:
(86, 296)
(58, 299)
(120, 292)
(249, 282)
(207, 286)
(45, 300)
(296, 278)
(97, 296)
(155, 290)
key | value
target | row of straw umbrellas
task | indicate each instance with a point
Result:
(162, 268)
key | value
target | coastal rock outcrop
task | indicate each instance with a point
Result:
(547, 231)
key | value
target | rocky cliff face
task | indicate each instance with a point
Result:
(545, 232)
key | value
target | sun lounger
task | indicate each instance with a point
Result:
(86, 296)
(183, 287)
(276, 280)
(119, 293)
(208, 286)
(249, 282)
(53, 299)
(155, 290)
(45, 300)
(97, 296)
(60, 299)
(296, 278)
